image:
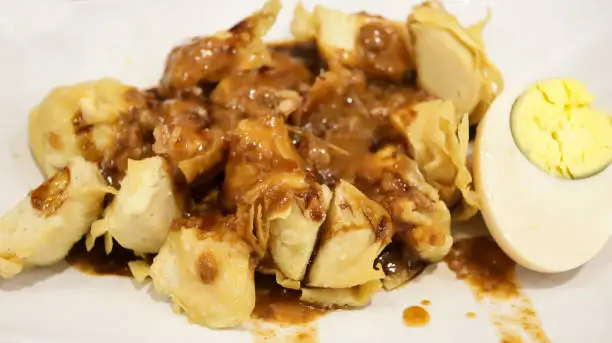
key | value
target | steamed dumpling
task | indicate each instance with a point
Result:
(439, 143)
(205, 268)
(370, 43)
(356, 230)
(265, 175)
(294, 230)
(55, 121)
(140, 215)
(422, 221)
(42, 228)
(451, 61)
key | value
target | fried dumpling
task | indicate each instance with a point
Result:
(42, 228)
(206, 270)
(439, 143)
(356, 230)
(370, 43)
(294, 227)
(140, 215)
(287, 205)
(420, 218)
(451, 61)
(212, 58)
(57, 125)
(258, 147)
(188, 140)
(357, 296)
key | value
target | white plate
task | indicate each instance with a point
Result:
(47, 43)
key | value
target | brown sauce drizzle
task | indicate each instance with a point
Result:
(307, 52)
(207, 268)
(280, 305)
(415, 316)
(97, 262)
(491, 276)
(382, 52)
(50, 196)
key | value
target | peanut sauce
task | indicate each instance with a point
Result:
(280, 305)
(49, 197)
(490, 273)
(415, 316)
(97, 262)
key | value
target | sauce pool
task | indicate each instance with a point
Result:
(490, 273)
(484, 266)
(97, 262)
(280, 305)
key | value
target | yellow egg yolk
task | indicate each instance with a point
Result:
(555, 127)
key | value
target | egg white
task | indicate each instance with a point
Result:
(545, 223)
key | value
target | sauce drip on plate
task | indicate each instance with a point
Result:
(415, 316)
(484, 266)
(491, 276)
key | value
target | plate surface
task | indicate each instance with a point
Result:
(47, 43)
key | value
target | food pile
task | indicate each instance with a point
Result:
(334, 163)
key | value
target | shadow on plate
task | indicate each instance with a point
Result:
(533, 280)
(592, 272)
(30, 278)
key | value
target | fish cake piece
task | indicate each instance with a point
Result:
(44, 226)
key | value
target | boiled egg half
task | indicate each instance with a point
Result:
(540, 168)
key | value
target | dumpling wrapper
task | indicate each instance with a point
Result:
(140, 215)
(357, 296)
(52, 134)
(356, 231)
(44, 226)
(422, 221)
(451, 61)
(211, 59)
(186, 138)
(266, 175)
(346, 39)
(205, 162)
(293, 235)
(258, 147)
(207, 272)
(439, 145)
